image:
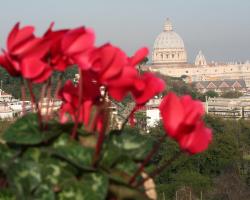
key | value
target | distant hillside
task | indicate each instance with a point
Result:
(178, 86)
(12, 85)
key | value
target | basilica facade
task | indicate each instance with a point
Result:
(169, 57)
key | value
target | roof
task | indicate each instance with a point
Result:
(232, 83)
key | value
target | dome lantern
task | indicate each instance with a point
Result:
(168, 25)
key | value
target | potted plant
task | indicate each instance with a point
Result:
(73, 153)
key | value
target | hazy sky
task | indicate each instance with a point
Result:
(220, 28)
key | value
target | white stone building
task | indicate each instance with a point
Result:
(169, 47)
(6, 112)
(10, 107)
(5, 97)
(152, 112)
(169, 57)
(229, 108)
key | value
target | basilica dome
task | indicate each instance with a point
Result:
(169, 47)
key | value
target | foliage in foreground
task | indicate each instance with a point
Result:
(49, 165)
(219, 173)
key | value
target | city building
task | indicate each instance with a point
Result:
(152, 112)
(11, 108)
(234, 108)
(169, 57)
(221, 86)
(5, 97)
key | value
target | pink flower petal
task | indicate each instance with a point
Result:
(44, 76)
(78, 40)
(32, 68)
(18, 37)
(172, 112)
(153, 86)
(139, 56)
(198, 140)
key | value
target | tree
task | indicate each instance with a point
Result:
(144, 61)
(232, 94)
(200, 172)
(180, 87)
(12, 85)
(211, 93)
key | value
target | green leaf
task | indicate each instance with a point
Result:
(33, 154)
(6, 154)
(123, 171)
(26, 131)
(44, 192)
(120, 147)
(54, 172)
(97, 185)
(6, 194)
(73, 152)
(24, 177)
(93, 186)
(127, 166)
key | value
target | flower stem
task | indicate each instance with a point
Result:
(98, 148)
(158, 170)
(103, 118)
(55, 96)
(131, 114)
(48, 101)
(127, 118)
(23, 97)
(58, 85)
(74, 131)
(147, 159)
(34, 102)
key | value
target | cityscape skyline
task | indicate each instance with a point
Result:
(220, 29)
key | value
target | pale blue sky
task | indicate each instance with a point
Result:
(220, 28)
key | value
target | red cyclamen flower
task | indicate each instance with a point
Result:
(107, 62)
(70, 47)
(119, 75)
(76, 46)
(146, 87)
(182, 119)
(25, 55)
(79, 110)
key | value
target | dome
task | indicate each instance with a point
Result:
(200, 59)
(168, 39)
(169, 46)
